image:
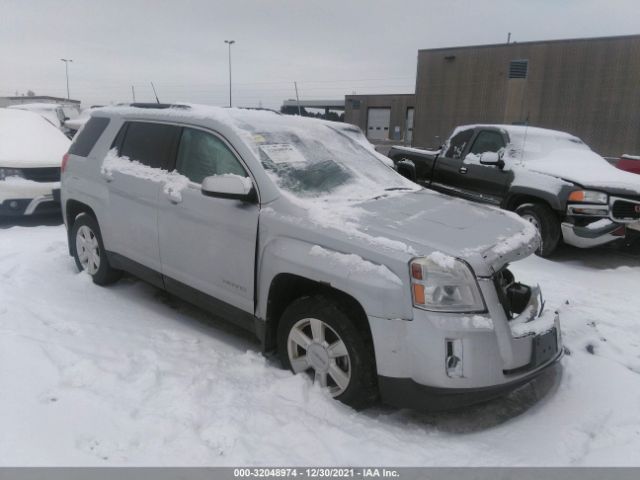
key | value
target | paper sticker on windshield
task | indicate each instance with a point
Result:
(283, 153)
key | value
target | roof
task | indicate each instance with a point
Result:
(533, 42)
(35, 98)
(518, 129)
(314, 103)
(35, 106)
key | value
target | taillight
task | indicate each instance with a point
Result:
(65, 159)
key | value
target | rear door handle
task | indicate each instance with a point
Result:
(462, 170)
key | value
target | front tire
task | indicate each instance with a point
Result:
(88, 251)
(546, 222)
(317, 336)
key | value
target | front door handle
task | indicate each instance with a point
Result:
(462, 170)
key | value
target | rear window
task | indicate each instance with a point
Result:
(85, 140)
(151, 144)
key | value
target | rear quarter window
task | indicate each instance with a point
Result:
(86, 139)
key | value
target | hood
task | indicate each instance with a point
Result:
(427, 222)
(587, 169)
(27, 140)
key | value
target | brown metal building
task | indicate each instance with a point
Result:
(589, 87)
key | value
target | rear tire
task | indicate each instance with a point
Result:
(546, 222)
(88, 251)
(317, 336)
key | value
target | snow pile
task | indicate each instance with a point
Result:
(355, 263)
(127, 375)
(27, 140)
(479, 321)
(522, 238)
(536, 326)
(173, 183)
(586, 168)
(346, 217)
(442, 260)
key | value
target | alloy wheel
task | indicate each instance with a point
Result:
(88, 250)
(316, 348)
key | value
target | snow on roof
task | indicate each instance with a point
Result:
(518, 129)
(36, 106)
(28, 140)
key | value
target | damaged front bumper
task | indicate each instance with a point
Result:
(589, 236)
(589, 226)
(442, 361)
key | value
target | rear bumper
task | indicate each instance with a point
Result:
(407, 393)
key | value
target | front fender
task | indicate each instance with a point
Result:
(380, 294)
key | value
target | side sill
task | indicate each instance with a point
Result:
(217, 308)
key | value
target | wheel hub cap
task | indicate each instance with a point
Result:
(318, 357)
(316, 348)
(88, 250)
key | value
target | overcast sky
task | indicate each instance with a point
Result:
(331, 48)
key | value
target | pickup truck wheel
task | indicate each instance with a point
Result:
(547, 224)
(89, 252)
(317, 336)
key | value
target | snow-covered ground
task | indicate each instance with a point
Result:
(127, 375)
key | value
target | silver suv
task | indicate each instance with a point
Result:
(298, 231)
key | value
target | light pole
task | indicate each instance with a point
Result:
(229, 42)
(66, 68)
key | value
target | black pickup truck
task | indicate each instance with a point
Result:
(551, 178)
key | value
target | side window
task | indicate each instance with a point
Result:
(201, 155)
(458, 143)
(487, 141)
(151, 144)
(85, 140)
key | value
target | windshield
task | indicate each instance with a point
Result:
(533, 145)
(317, 159)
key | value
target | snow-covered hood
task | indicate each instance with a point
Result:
(587, 169)
(27, 140)
(429, 222)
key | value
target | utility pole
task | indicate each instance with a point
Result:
(295, 84)
(230, 42)
(509, 38)
(133, 93)
(66, 68)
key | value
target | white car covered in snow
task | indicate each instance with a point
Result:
(31, 151)
(56, 113)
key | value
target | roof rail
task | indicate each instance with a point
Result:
(159, 106)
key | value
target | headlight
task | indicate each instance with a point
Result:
(444, 284)
(588, 196)
(10, 172)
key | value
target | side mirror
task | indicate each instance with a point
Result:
(229, 186)
(492, 159)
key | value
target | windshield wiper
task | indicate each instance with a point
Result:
(390, 189)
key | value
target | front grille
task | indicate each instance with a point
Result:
(48, 174)
(625, 210)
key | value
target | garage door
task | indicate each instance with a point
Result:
(378, 120)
